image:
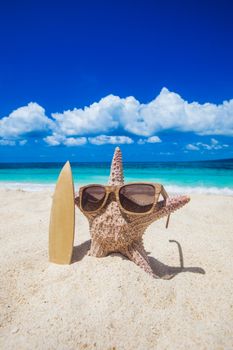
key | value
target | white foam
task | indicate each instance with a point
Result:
(27, 186)
(225, 191)
(171, 189)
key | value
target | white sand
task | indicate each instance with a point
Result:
(110, 303)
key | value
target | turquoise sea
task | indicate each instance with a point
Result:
(178, 177)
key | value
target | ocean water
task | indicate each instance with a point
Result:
(178, 177)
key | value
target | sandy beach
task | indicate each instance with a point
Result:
(110, 303)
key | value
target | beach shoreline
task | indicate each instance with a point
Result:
(107, 303)
(171, 189)
(206, 177)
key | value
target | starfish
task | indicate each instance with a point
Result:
(114, 231)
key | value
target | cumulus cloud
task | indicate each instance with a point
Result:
(56, 140)
(152, 139)
(213, 145)
(4, 142)
(167, 111)
(114, 140)
(112, 114)
(24, 120)
(22, 142)
(192, 147)
(75, 141)
(7, 143)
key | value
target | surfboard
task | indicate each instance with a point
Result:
(62, 219)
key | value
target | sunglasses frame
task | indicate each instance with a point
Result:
(159, 189)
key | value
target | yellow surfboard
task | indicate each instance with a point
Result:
(62, 219)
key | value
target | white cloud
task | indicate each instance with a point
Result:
(214, 141)
(167, 111)
(114, 140)
(7, 143)
(152, 139)
(22, 142)
(56, 140)
(78, 141)
(98, 117)
(213, 145)
(191, 147)
(24, 120)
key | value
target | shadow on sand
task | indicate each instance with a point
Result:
(161, 270)
(168, 272)
(80, 251)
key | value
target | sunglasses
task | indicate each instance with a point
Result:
(134, 198)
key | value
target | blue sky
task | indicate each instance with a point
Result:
(78, 78)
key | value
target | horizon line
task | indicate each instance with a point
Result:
(107, 162)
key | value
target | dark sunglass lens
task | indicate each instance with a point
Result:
(137, 198)
(93, 197)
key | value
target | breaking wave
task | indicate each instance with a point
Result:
(172, 189)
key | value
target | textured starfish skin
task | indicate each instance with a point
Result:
(114, 231)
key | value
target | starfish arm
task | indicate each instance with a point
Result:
(137, 254)
(141, 249)
(162, 209)
(171, 205)
(97, 250)
(116, 174)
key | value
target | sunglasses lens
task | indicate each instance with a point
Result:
(137, 198)
(93, 197)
